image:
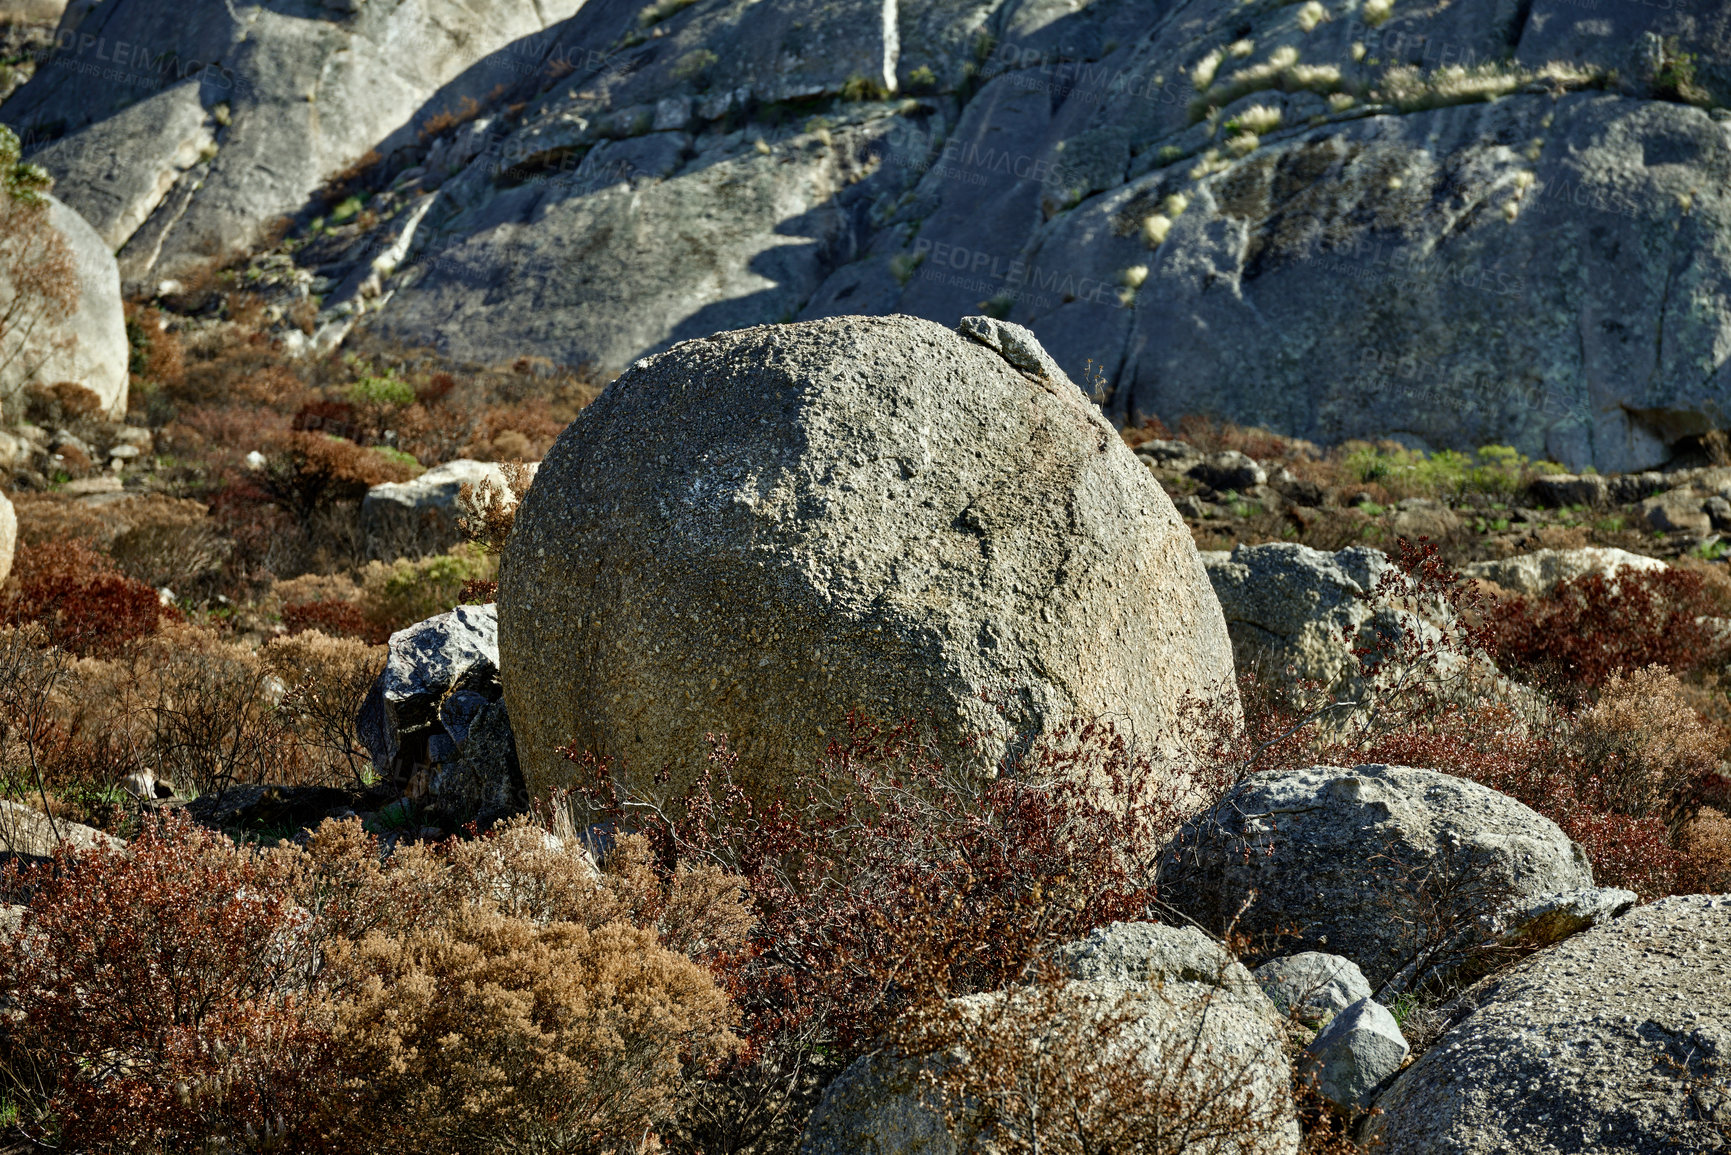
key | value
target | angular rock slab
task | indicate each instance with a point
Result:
(1355, 1054)
(1312, 986)
(429, 660)
(1618, 1040)
(1338, 854)
(758, 532)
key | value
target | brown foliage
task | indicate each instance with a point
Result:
(336, 618)
(157, 996)
(1076, 1069)
(1594, 625)
(79, 596)
(1706, 844)
(329, 999)
(326, 679)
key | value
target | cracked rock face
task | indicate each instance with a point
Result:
(182, 131)
(1617, 1040)
(756, 533)
(1351, 860)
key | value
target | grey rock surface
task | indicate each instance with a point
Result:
(479, 778)
(1355, 1054)
(8, 536)
(27, 831)
(88, 348)
(1197, 1043)
(1312, 986)
(756, 533)
(1292, 608)
(1566, 489)
(1149, 952)
(424, 663)
(1615, 1040)
(1539, 572)
(1349, 859)
(288, 94)
(420, 515)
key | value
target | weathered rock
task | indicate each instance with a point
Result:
(1311, 986)
(1567, 489)
(476, 777)
(1291, 609)
(29, 832)
(1148, 952)
(1229, 469)
(1615, 1040)
(1538, 573)
(1355, 1054)
(1197, 1043)
(8, 536)
(1680, 510)
(756, 533)
(267, 103)
(420, 516)
(424, 663)
(89, 348)
(1424, 517)
(1348, 861)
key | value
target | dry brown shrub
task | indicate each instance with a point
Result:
(164, 541)
(1706, 844)
(326, 680)
(46, 517)
(491, 509)
(1074, 1069)
(157, 353)
(1646, 741)
(211, 711)
(498, 1034)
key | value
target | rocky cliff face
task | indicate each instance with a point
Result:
(1482, 222)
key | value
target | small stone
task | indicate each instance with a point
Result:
(1312, 986)
(1355, 1053)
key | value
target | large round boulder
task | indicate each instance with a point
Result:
(756, 533)
(1409, 873)
(1617, 1040)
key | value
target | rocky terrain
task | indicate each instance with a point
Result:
(803, 577)
(1484, 225)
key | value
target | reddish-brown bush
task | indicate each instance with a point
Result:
(895, 882)
(84, 602)
(158, 996)
(1592, 626)
(306, 471)
(338, 619)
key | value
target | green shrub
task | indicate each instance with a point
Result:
(388, 389)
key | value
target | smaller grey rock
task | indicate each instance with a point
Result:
(1356, 1053)
(1539, 572)
(1189, 505)
(29, 832)
(458, 712)
(1014, 344)
(482, 781)
(1676, 511)
(1229, 469)
(1312, 986)
(1565, 489)
(1171, 454)
(1719, 512)
(458, 650)
(420, 516)
(1631, 487)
